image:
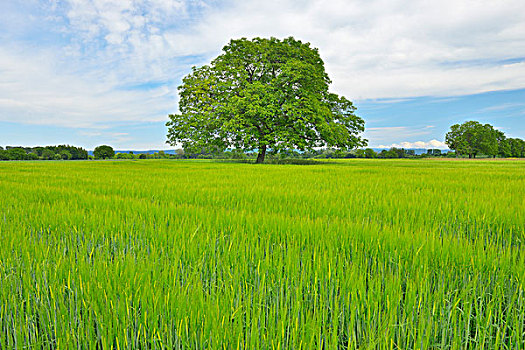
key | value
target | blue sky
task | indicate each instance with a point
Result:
(91, 72)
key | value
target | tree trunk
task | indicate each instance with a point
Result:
(470, 155)
(261, 155)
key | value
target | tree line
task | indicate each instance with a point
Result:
(323, 153)
(67, 152)
(60, 152)
(468, 139)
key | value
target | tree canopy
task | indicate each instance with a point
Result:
(472, 138)
(263, 94)
(43, 153)
(103, 152)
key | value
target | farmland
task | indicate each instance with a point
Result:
(172, 254)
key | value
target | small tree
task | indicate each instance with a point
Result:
(370, 153)
(103, 152)
(263, 94)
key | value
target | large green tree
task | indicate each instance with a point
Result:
(263, 94)
(473, 138)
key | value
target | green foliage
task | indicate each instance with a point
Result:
(48, 154)
(370, 153)
(65, 155)
(44, 153)
(263, 94)
(434, 152)
(69, 152)
(393, 153)
(32, 156)
(103, 152)
(124, 156)
(472, 138)
(360, 153)
(359, 254)
(516, 147)
(4, 155)
(17, 153)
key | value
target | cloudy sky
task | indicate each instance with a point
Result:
(88, 72)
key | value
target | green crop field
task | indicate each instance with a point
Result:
(368, 254)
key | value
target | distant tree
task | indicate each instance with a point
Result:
(517, 147)
(17, 153)
(472, 138)
(360, 153)
(47, 154)
(4, 155)
(238, 154)
(104, 152)
(263, 94)
(391, 153)
(338, 153)
(370, 153)
(399, 152)
(124, 156)
(38, 151)
(489, 140)
(143, 156)
(65, 154)
(434, 152)
(32, 156)
(503, 144)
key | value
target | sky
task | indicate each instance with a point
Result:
(91, 72)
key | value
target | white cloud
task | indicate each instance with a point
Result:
(44, 94)
(385, 48)
(372, 49)
(389, 136)
(386, 133)
(417, 144)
